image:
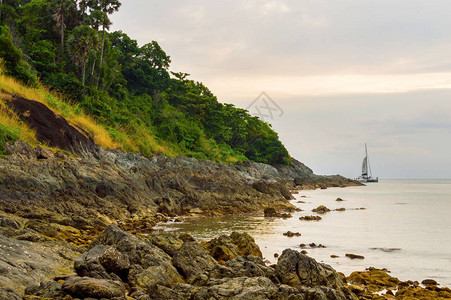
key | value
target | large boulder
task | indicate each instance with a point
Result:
(222, 248)
(192, 259)
(167, 241)
(298, 270)
(86, 287)
(103, 261)
(246, 244)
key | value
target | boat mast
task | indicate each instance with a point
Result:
(368, 161)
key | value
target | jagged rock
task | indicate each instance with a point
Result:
(139, 251)
(166, 241)
(246, 244)
(238, 288)
(47, 289)
(297, 270)
(43, 153)
(86, 287)
(102, 262)
(222, 248)
(249, 266)
(163, 274)
(192, 259)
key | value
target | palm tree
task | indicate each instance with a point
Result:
(60, 9)
(81, 43)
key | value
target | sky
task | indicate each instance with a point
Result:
(335, 74)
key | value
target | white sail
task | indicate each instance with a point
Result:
(365, 167)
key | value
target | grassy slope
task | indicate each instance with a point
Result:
(11, 128)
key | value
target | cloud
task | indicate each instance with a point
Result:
(344, 72)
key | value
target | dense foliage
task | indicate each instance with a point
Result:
(127, 87)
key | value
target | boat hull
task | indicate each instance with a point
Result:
(370, 179)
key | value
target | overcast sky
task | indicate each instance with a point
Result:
(340, 73)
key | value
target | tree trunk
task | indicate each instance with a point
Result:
(101, 57)
(62, 35)
(83, 73)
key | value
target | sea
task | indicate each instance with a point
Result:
(403, 226)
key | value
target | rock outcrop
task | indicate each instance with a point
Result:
(120, 265)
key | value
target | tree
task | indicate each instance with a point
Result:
(60, 9)
(107, 7)
(81, 42)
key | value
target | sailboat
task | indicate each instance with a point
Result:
(366, 176)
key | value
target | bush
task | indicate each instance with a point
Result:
(9, 135)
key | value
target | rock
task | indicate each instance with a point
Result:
(239, 288)
(429, 282)
(304, 252)
(101, 262)
(222, 248)
(86, 287)
(166, 241)
(246, 244)
(9, 223)
(291, 234)
(298, 270)
(334, 256)
(148, 278)
(310, 218)
(339, 199)
(9, 294)
(276, 255)
(374, 280)
(139, 251)
(272, 213)
(340, 209)
(192, 259)
(321, 209)
(249, 266)
(43, 153)
(47, 289)
(354, 256)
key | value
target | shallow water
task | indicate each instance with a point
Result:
(412, 216)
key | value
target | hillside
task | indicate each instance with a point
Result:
(125, 93)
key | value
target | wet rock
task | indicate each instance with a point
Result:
(340, 209)
(192, 259)
(246, 244)
(304, 252)
(86, 287)
(297, 270)
(272, 213)
(310, 218)
(339, 199)
(429, 282)
(102, 262)
(291, 234)
(354, 256)
(222, 248)
(334, 256)
(387, 249)
(373, 280)
(321, 209)
(276, 255)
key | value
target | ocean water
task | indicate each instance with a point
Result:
(405, 228)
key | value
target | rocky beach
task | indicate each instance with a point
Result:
(80, 225)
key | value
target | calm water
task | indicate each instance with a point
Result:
(412, 215)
